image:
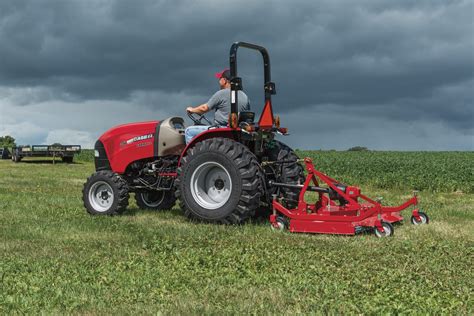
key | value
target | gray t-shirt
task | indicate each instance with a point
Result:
(220, 102)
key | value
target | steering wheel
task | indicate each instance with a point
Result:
(197, 118)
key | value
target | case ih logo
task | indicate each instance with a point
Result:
(136, 139)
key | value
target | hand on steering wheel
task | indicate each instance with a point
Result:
(197, 118)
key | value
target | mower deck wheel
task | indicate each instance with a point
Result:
(424, 219)
(387, 230)
(281, 224)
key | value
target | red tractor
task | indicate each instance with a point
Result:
(227, 175)
(223, 175)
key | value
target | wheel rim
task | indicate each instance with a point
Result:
(280, 226)
(387, 231)
(211, 185)
(419, 222)
(153, 199)
(101, 196)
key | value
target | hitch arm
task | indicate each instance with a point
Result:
(299, 186)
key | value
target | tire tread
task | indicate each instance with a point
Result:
(250, 172)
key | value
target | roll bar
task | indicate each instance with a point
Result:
(236, 82)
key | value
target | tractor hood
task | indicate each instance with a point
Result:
(125, 143)
(121, 145)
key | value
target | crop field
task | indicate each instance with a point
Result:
(56, 259)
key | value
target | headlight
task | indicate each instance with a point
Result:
(96, 153)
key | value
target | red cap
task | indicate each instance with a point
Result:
(223, 74)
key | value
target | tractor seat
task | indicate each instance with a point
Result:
(246, 116)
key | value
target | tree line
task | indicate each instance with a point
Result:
(7, 141)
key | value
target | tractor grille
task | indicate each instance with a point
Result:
(100, 157)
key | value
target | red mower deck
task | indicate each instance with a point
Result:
(340, 209)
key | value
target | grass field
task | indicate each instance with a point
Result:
(54, 258)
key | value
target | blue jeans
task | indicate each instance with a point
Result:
(193, 131)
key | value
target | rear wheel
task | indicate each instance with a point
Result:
(67, 159)
(219, 181)
(289, 172)
(155, 200)
(105, 193)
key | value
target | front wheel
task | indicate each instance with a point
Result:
(155, 200)
(105, 193)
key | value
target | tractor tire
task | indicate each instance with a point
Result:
(105, 193)
(67, 159)
(155, 200)
(16, 158)
(220, 181)
(291, 172)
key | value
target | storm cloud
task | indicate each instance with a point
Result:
(381, 74)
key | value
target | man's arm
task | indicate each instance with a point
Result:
(213, 102)
(200, 109)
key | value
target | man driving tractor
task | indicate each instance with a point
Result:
(220, 103)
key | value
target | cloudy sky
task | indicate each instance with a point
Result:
(382, 74)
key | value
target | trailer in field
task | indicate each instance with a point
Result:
(65, 152)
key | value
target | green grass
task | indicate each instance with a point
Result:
(85, 155)
(54, 258)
